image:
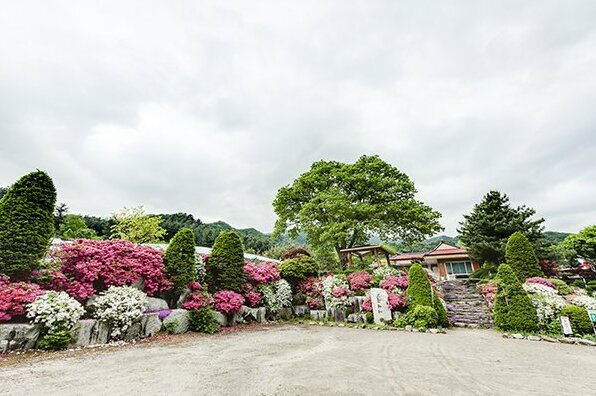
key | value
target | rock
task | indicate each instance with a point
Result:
(177, 321)
(533, 338)
(318, 314)
(221, 319)
(356, 318)
(357, 303)
(254, 314)
(133, 332)
(182, 297)
(284, 313)
(237, 319)
(583, 341)
(380, 305)
(156, 304)
(301, 310)
(548, 339)
(150, 324)
(415, 330)
(517, 336)
(18, 336)
(82, 331)
(433, 331)
(505, 335)
(336, 314)
(100, 334)
(396, 314)
(91, 300)
(567, 340)
(473, 325)
(409, 328)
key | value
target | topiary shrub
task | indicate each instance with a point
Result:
(297, 269)
(562, 287)
(420, 292)
(55, 340)
(513, 308)
(203, 321)
(520, 255)
(420, 317)
(226, 263)
(179, 260)
(26, 224)
(579, 318)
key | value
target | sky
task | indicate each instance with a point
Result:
(210, 107)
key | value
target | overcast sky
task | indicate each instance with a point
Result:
(209, 108)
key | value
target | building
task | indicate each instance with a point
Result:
(446, 261)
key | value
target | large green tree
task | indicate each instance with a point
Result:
(513, 308)
(136, 226)
(74, 227)
(485, 231)
(583, 244)
(342, 205)
(521, 257)
(26, 223)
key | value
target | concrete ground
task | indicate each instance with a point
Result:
(313, 360)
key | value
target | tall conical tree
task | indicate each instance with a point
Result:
(226, 264)
(513, 308)
(420, 292)
(520, 255)
(26, 224)
(179, 260)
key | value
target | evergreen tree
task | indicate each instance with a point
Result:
(485, 231)
(421, 292)
(225, 266)
(513, 308)
(179, 260)
(520, 255)
(26, 223)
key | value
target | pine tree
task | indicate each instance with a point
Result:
(179, 260)
(225, 266)
(484, 232)
(520, 255)
(26, 224)
(513, 308)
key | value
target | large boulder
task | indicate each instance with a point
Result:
(357, 303)
(301, 310)
(177, 321)
(133, 332)
(18, 336)
(150, 324)
(82, 331)
(100, 333)
(156, 304)
(336, 314)
(221, 319)
(316, 314)
(254, 314)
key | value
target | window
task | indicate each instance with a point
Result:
(459, 268)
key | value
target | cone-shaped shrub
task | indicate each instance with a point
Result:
(513, 308)
(420, 292)
(26, 224)
(520, 255)
(226, 263)
(179, 260)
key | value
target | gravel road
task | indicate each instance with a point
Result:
(312, 360)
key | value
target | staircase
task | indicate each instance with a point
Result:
(466, 307)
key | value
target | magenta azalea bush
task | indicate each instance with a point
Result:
(253, 298)
(394, 283)
(227, 301)
(197, 298)
(14, 296)
(395, 301)
(260, 274)
(88, 267)
(311, 287)
(542, 281)
(488, 290)
(359, 280)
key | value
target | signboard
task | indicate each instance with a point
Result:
(566, 325)
(379, 300)
(592, 314)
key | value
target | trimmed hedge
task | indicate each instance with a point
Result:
(226, 263)
(203, 321)
(179, 260)
(296, 269)
(521, 256)
(26, 224)
(579, 318)
(513, 308)
(420, 292)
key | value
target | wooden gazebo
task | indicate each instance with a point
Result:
(379, 252)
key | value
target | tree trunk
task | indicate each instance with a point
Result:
(343, 260)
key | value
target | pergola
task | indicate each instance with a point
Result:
(377, 251)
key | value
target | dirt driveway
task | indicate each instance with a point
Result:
(312, 360)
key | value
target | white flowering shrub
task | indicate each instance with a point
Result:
(55, 310)
(547, 307)
(200, 268)
(385, 271)
(584, 301)
(537, 288)
(269, 297)
(277, 295)
(336, 292)
(119, 307)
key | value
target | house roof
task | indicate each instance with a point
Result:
(442, 249)
(365, 249)
(407, 256)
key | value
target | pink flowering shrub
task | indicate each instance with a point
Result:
(14, 296)
(359, 280)
(227, 301)
(367, 305)
(253, 298)
(395, 301)
(340, 292)
(392, 282)
(197, 298)
(311, 287)
(88, 267)
(542, 281)
(259, 274)
(488, 290)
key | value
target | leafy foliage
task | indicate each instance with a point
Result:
(341, 205)
(579, 318)
(203, 321)
(562, 287)
(55, 340)
(179, 260)
(26, 224)
(520, 255)
(421, 316)
(297, 269)
(136, 226)
(421, 292)
(485, 231)
(226, 263)
(583, 243)
(74, 227)
(513, 308)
